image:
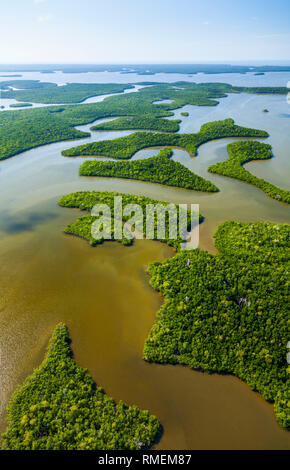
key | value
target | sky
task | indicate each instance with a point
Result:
(144, 31)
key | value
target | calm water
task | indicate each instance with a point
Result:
(249, 79)
(103, 294)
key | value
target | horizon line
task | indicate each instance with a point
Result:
(209, 62)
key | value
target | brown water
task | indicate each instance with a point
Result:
(103, 293)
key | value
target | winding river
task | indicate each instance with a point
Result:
(103, 294)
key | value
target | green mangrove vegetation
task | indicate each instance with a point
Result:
(199, 94)
(159, 169)
(138, 123)
(126, 147)
(20, 105)
(229, 313)
(86, 200)
(59, 407)
(24, 85)
(185, 114)
(29, 128)
(263, 90)
(50, 93)
(179, 94)
(241, 153)
(25, 129)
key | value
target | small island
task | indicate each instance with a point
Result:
(86, 200)
(184, 114)
(160, 169)
(20, 105)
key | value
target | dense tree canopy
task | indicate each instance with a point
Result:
(126, 147)
(28, 128)
(160, 169)
(59, 407)
(50, 93)
(229, 313)
(138, 123)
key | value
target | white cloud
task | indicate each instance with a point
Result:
(43, 18)
(206, 23)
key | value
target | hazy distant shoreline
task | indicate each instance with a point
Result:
(144, 69)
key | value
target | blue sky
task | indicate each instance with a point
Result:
(140, 31)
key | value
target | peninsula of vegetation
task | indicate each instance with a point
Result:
(50, 93)
(241, 153)
(126, 147)
(25, 129)
(219, 315)
(59, 407)
(160, 169)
